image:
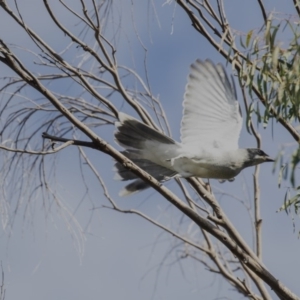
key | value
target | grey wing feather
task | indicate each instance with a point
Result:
(133, 134)
(211, 114)
(153, 169)
(141, 142)
(160, 173)
(134, 187)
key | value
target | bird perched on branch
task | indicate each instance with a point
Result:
(210, 130)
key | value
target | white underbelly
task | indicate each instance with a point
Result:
(187, 167)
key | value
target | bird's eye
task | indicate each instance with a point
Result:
(260, 153)
(263, 153)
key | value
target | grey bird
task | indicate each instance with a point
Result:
(210, 130)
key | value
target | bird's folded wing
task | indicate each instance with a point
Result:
(211, 114)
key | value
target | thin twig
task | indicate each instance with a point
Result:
(263, 10)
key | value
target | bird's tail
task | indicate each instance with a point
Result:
(145, 147)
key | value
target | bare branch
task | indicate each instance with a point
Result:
(296, 3)
(24, 151)
(263, 10)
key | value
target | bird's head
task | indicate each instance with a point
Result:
(256, 157)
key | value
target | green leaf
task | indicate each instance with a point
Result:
(288, 202)
(275, 55)
(248, 38)
(292, 201)
(242, 43)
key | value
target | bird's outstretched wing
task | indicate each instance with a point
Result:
(211, 114)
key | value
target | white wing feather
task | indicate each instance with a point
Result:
(211, 115)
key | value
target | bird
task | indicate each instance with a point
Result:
(210, 130)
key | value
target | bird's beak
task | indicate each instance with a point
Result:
(268, 158)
